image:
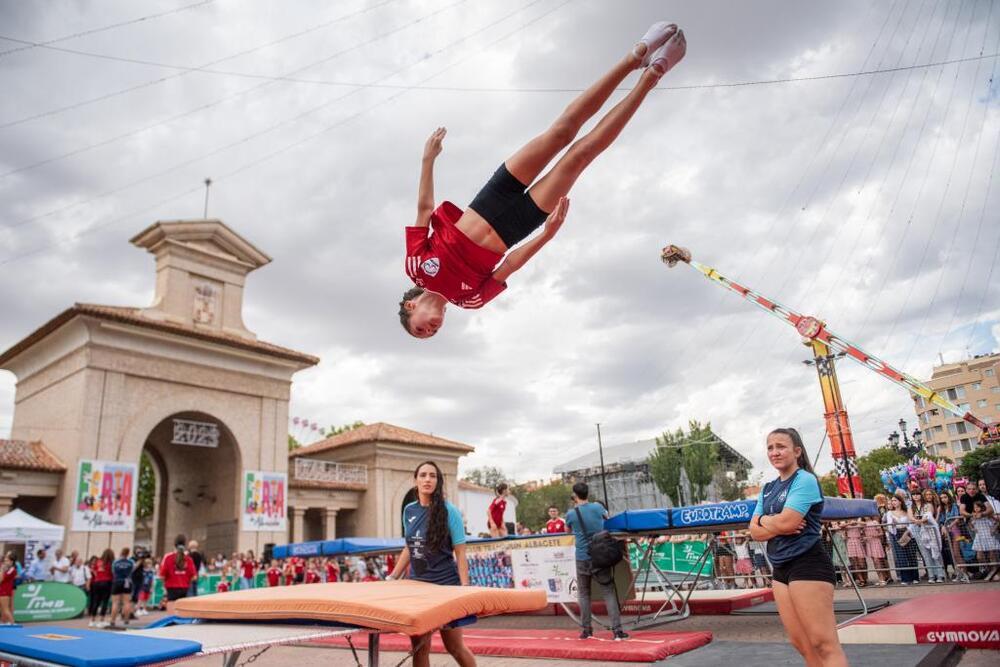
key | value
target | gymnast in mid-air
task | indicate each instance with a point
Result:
(460, 262)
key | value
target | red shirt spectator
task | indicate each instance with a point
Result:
(248, 567)
(289, 574)
(223, 587)
(312, 577)
(369, 577)
(7, 582)
(300, 565)
(172, 576)
(332, 573)
(450, 263)
(556, 525)
(102, 572)
(273, 577)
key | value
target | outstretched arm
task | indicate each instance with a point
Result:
(425, 193)
(519, 257)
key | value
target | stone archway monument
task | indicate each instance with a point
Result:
(183, 380)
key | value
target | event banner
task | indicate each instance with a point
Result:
(546, 562)
(106, 496)
(264, 496)
(681, 557)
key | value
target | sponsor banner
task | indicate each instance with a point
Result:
(105, 496)
(48, 601)
(263, 506)
(674, 557)
(969, 635)
(713, 515)
(544, 562)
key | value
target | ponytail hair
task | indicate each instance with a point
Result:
(803, 459)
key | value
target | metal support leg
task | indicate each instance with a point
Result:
(373, 647)
(230, 659)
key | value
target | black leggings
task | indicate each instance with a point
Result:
(100, 598)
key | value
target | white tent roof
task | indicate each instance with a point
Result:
(19, 526)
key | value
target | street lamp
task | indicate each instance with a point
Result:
(911, 445)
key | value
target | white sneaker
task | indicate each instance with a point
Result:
(93, 624)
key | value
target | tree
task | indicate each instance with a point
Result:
(293, 444)
(828, 483)
(731, 488)
(146, 493)
(337, 430)
(488, 476)
(870, 466)
(533, 505)
(701, 459)
(665, 465)
(970, 464)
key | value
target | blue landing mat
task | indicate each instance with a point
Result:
(90, 648)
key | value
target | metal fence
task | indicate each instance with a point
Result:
(867, 552)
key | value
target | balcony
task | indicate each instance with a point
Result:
(316, 470)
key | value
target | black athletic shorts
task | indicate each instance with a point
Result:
(505, 204)
(174, 594)
(813, 565)
(121, 587)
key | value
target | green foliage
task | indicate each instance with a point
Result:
(870, 465)
(701, 459)
(293, 444)
(665, 465)
(731, 488)
(971, 462)
(488, 476)
(828, 483)
(533, 505)
(696, 452)
(337, 430)
(147, 488)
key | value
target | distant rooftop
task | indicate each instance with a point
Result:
(637, 452)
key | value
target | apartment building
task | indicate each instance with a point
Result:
(973, 385)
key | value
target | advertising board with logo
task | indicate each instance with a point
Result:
(105, 496)
(679, 557)
(48, 601)
(543, 562)
(263, 506)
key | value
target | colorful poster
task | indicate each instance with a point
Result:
(106, 496)
(546, 562)
(264, 496)
(48, 601)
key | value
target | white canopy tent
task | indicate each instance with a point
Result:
(17, 526)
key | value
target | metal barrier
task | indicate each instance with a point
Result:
(864, 552)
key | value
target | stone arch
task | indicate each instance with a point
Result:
(197, 486)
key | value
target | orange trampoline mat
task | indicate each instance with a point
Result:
(408, 607)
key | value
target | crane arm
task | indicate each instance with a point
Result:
(814, 329)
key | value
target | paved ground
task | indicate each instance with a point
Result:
(723, 628)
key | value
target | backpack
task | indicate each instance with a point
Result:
(605, 551)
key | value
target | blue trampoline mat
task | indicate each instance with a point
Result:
(90, 648)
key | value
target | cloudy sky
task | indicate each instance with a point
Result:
(865, 200)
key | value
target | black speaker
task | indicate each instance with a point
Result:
(990, 472)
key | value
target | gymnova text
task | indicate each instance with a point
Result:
(963, 636)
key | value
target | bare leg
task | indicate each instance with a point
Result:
(421, 647)
(793, 625)
(560, 179)
(454, 644)
(813, 602)
(527, 163)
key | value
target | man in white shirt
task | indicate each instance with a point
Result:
(60, 568)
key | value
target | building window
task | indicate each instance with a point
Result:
(920, 402)
(988, 373)
(981, 403)
(955, 393)
(957, 428)
(976, 386)
(995, 390)
(966, 444)
(964, 407)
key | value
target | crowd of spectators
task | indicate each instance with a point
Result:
(120, 587)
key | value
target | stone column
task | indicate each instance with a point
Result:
(298, 524)
(6, 503)
(330, 523)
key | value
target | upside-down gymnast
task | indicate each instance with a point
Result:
(458, 262)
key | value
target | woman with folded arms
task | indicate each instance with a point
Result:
(788, 518)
